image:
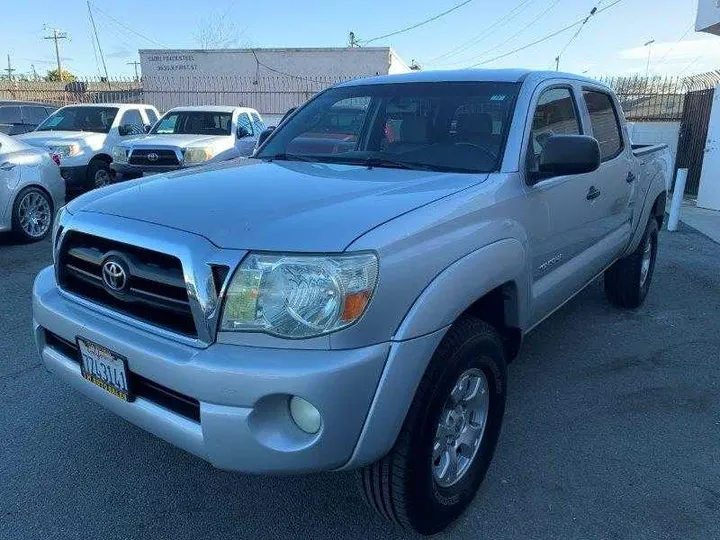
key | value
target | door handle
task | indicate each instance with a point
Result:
(593, 193)
(630, 178)
(7, 166)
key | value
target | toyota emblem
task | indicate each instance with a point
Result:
(114, 275)
(152, 156)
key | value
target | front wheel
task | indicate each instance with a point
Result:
(99, 174)
(627, 282)
(32, 215)
(447, 441)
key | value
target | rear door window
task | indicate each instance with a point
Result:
(605, 123)
(244, 122)
(34, 115)
(10, 115)
(152, 117)
(555, 114)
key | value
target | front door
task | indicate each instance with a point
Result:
(563, 221)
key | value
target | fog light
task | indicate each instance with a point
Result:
(305, 415)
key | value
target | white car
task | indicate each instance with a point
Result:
(81, 138)
(190, 136)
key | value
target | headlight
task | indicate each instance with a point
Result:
(119, 154)
(199, 154)
(65, 150)
(299, 296)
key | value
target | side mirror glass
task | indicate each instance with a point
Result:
(564, 155)
(147, 128)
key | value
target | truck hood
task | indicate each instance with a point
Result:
(175, 141)
(48, 139)
(279, 206)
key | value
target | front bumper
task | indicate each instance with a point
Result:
(126, 169)
(76, 178)
(242, 392)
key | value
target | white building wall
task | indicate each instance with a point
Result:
(708, 16)
(656, 133)
(346, 63)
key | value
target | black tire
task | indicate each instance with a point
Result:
(401, 486)
(98, 174)
(18, 231)
(624, 284)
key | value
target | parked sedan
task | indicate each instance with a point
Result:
(31, 189)
(17, 117)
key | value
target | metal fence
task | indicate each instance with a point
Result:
(644, 99)
(658, 99)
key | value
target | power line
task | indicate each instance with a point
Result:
(480, 36)
(541, 40)
(426, 21)
(523, 29)
(97, 39)
(672, 49)
(593, 11)
(279, 72)
(126, 27)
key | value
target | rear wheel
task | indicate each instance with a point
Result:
(627, 282)
(447, 441)
(32, 215)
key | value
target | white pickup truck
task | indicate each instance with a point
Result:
(81, 138)
(189, 136)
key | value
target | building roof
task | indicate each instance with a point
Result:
(467, 75)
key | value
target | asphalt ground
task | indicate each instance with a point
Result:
(612, 430)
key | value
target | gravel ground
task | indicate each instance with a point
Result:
(612, 430)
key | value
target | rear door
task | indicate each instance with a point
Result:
(614, 179)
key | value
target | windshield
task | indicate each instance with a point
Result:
(458, 127)
(95, 119)
(194, 123)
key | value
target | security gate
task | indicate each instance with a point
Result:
(693, 134)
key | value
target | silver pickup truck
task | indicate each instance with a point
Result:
(350, 298)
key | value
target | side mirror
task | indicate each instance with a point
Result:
(147, 128)
(242, 132)
(288, 113)
(264, 135)
(564, 155)
(125, 130)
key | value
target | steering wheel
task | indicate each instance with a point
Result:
(480, 147)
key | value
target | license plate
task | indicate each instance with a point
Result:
(104, 368)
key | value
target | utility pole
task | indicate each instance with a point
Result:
(557, 63)
(57, 35)
(35, 75)
(9, 69)
(97, 40)
(135, 64)
(649, 45)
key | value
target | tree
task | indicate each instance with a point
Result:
(52, 75)
(216, 32)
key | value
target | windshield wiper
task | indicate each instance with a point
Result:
(288, 157)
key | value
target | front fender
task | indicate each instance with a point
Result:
(423, 328)
(464, 282)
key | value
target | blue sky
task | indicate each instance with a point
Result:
(611, 42)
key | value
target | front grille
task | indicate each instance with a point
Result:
(141, 387)
(164, 157)
(155, 293)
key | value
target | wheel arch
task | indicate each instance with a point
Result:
(495, 291)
